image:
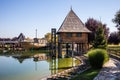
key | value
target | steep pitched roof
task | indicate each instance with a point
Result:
(72, 23)
(21, 37)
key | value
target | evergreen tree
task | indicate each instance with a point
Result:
(100, 40)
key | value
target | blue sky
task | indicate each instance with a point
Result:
(24, 16)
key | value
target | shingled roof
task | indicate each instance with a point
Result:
(72, 23)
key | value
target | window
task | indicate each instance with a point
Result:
(78, 34)
(69, 34)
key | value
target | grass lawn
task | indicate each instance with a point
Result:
(114, 50)
(87, 75)
(26, 54)
(114, 47)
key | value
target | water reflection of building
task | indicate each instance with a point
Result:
(40, 57)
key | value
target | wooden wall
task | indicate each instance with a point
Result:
(64, 38)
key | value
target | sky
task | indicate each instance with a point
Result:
(25, 16)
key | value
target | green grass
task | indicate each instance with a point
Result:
(114, 49)
(28, 51)
(90, 74)
(26, 54)
(87, 75)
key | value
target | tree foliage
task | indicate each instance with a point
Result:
(100, 40)
(93, 25)
(116, 20)
(114, 38)
(48, 37)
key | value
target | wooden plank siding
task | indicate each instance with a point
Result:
(74, 38)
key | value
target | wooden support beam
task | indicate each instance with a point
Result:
(53, 42)
(59, 50)
(67, 49)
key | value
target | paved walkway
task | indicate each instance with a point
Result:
(110, 71)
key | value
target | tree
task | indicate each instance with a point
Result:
(114, 38)
(100, 40)
(48, 37)
(116, 20)
(93, 25)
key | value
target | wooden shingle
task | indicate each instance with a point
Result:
(72, 23)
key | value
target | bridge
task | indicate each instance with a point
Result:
(8, 42)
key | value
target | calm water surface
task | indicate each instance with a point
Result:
(14, 69)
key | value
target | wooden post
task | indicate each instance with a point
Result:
(59, 50)
(78, 48)
(88, 46)
(82, 48)
(67, 49)
(72, 49)
(53, 42)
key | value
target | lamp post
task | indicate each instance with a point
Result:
(35, 40)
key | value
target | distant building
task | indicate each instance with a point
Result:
(42, 42)
(12, 44)
(18, 39)
(29, 40)
(36, 40)
(21, 38)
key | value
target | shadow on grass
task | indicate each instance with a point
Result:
(87, 75)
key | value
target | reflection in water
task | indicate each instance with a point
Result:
(35, 66)
(60, 64)
(56, 64)
(32, 68)
(39, 57)
(52, 66)
(20, 60)
(11, 69)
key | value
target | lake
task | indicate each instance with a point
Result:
(12, 68)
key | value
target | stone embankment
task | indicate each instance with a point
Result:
(110, 71)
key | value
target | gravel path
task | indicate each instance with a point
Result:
(110, 71)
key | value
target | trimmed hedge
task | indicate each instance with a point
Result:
(98, 57)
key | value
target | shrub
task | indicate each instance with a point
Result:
(98, 57)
